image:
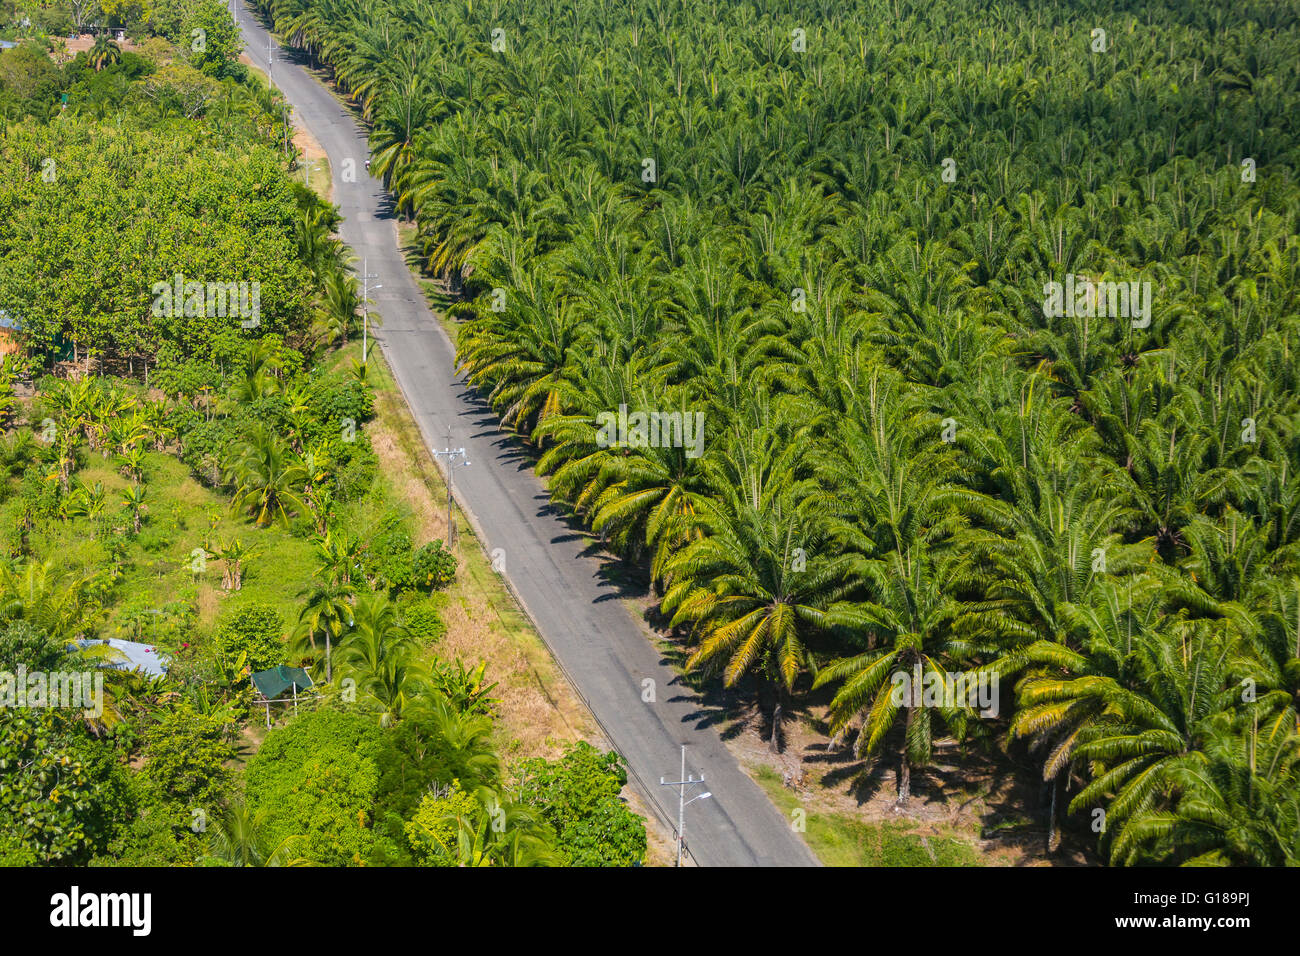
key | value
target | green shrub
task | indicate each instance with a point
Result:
(355, 468)
(64, 795)
(433, 830)
(578, 795)
(422, 620)
(158, 837)
(317, 779)
(388, 557)
(433, 567)
(23, 644)
(204, 444)
(186, 755)
(176, 374)
(255, 630)
(337, 402)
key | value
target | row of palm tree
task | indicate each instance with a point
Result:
(912, 467)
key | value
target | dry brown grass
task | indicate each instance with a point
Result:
(208, 602)
(538, 722)
(410, 487)
(313, 154)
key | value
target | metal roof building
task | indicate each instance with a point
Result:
(134, 656)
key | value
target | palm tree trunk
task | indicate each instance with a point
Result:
(774, 744)
(1053, 835)
(905, 765)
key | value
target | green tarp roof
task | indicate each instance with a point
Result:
(280, 680)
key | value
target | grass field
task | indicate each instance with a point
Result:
(158, 566)
(841, 840)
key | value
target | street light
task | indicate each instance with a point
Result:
(365, 324)
(366, 276)
(682, 802)
(451, 454)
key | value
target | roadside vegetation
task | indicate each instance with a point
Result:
(202, 481)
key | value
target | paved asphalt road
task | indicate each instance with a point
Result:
(550, 567)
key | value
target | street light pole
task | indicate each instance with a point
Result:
(366, 276)
(451, 454)
(682, 802)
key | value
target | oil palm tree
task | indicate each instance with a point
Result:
(461, 740)
(1153, 727)
(379, 654)
(523, 355)
(1094, 642)
(256, 374)
(54, 599)
(1236, 803)
(910, 638)
(340, 304)
(755, 585)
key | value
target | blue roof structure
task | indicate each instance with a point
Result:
(139, 657)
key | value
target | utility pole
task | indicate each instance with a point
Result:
(451, 454)
(366, 276)
(270, 57)
(682, 802)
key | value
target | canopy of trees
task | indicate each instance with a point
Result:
(130, 208)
